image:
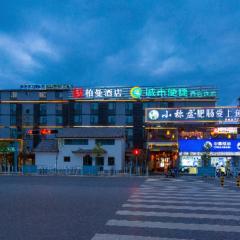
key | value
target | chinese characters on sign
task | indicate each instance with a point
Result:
(143, 93)
(216, 114)
(46, 86)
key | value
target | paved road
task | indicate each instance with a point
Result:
(111, 208)
(61, 208)
(185, 208)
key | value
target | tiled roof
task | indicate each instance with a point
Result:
(48, 145)
(91, 132)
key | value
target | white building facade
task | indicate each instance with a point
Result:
(74, 149)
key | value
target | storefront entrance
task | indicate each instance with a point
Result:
(162, 161)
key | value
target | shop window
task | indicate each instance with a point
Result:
(87, 160)
(111, 161)
(67, 159)
(129, 119)
(105, 141)
(99, 161)
(75, 141)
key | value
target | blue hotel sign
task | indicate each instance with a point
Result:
(193, 114)
(216, 145)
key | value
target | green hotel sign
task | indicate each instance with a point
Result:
(180, 93)
(142, 92)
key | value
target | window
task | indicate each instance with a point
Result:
(99, 161)
(128, 108)
(59, 108)
(27, 111)
(13, 109)
(111, 120)
(58, 95)
(78, 119)
(59, 120)
(105, 141)
(13, 133)
(75, 141)
(112, 106)
(93, 119)
(129, 133)
(129, 119)
(94, 108)
(43, 120)
(42, 95)
(13, 95)
(78, 108)
(43, 109)
(87, 160)
(111, 161)
(67, 159)
(13, 120)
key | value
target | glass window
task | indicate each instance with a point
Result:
(111, 161)
(13, 132)
(78, 119)
(111, 106)
(13, 108)
(99, 161)
(42, 94)
(13, 95)
(128, 108)
(43, 120)
(13, 120)
(75, 141)
(129, 119)
(43, 109)
(105, 141)
(59, 108)
(67, 159)
(78, 108)
(59, 120)
(87, 160)
(94, 106)
(93, 119)
(111, 120)
(58, 95)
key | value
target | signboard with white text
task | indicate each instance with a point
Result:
(192, 114)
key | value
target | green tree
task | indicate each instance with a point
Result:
(4, 149)
(98, 151)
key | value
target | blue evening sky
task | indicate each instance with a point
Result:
(122, 43)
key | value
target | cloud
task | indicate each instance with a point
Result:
(23, 53)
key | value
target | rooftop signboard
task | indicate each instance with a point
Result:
(193, 114)
(142, 93)
(46, 86)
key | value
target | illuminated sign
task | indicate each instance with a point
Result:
(136, 92)
(142, 93)
(197, 114)
(225, 130)
(216, 145)
(46, 86)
